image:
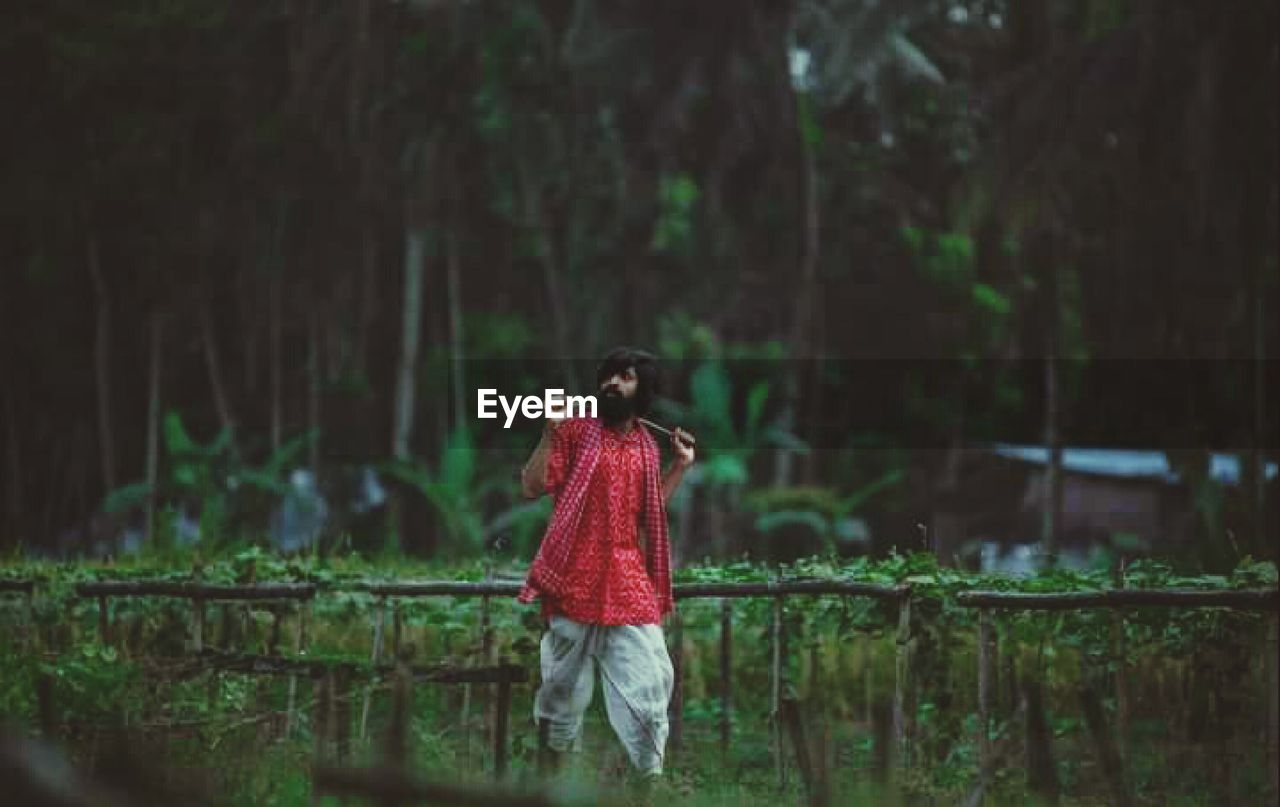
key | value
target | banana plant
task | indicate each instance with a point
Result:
(729, 446)
(726, 446)
(823, 511)
(457, 490)
(212, 475)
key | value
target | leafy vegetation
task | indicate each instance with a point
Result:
(840, 663)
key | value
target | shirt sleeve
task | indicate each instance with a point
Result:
(563, 444)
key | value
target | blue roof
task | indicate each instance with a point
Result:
(1126, 463)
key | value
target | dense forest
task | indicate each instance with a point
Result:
(245, 238)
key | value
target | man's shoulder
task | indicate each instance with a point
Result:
(575, 426)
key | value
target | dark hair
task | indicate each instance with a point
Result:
(647, 376)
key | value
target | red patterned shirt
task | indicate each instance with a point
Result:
(608, 580)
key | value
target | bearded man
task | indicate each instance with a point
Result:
(603, 570)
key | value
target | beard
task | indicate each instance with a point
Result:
(615, 407)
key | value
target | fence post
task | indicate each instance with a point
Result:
(344, 686)
(379, 624)
(465, 721)
(197, 607)
(397, 744)
(397, 628)
(776, 690)
(804, 761)
(1120, 653)
(504, 714)
(273, 638)
(320, 697)
(901, 683)
(726, 677)
(1108, 754)
(1042, 773)
(986, 645)
(486, 649)
(298, 635)
(104, 622)
(33, 633)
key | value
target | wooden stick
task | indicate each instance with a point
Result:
(1247, 599)
(197, 607)
(379, 622)
(397, 629)
(397, 744)
(486, 658)
(104, 622)
(882, 736)
(795, 726)
(500, 736)
(775, 693)
(34, 643)
(319, 724)
(901, 684)
(1009, 679)
(273, 639)
(1108, 754)
(183, 590)
(290, 708)
(683, 591)
(341, 698)
(665, 430)
(779, 587)
(252, 664)
(1120, 652)
(986, 646)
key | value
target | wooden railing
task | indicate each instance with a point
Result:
(501, 673)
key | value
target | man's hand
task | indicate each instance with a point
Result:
(533, 478)
(683, 442)
(549, 426)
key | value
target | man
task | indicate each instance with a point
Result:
(603, 569)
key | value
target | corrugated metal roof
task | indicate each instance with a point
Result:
(1125, 463)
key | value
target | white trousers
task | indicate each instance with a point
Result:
(637, 680)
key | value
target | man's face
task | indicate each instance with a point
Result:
(624, 382)
(617, 395)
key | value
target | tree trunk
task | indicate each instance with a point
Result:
(368, 297)
(1051, 523)
(359, 71)
(802, 312)
(313, 387)
(249, 319)
(212, 362)
(804, 334)
(275, 327)
(153, 425)
(415, 257)
(535, 220)
(13, 500)
(102, 366)
(455, 328)
(1259, 458)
